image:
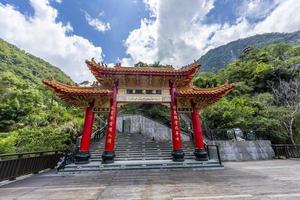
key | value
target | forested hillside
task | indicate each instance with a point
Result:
(31, 117)
(266, 101)
(219, 57)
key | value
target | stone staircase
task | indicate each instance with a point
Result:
(136, 151)
(135, 146)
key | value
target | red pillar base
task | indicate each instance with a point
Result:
(178, 155)
(82, 157)
(200, 155)
(108, 157)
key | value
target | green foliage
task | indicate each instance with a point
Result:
(31, 117)
(155, 64)
(206, 79)
(158, 112)
(251, 106)
(7, 143)
(47, 138)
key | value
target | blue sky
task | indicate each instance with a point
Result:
(123, 17)
(66, 32)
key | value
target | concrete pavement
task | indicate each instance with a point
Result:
(273, 179)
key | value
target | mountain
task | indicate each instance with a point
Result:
(217, 58)
(27, 67)
(32, 118)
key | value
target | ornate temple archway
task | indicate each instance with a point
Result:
(119, 85)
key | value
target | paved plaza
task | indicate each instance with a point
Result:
(274, 179)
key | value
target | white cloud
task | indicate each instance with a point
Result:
(142, 43)
(58, 1)
(177, 34)
(285, 18)
(257, 9)
(96, 23)
(164, 38)
(45, 37)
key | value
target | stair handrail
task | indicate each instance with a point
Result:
(218, 156)
(99, 134)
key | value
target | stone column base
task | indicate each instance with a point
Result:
(178, 155)
(108, 157)
(82, 157)
(201, 155)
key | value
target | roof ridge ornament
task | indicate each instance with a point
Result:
(95, 84)
(118, 64)
(169, 66)
(101, 64)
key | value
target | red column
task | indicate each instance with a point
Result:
(178, 154)
(87, 130)
(109, 154)
(199, 152)
(83, 155)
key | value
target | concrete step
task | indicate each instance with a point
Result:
(135, 151)
(144, 143)
(140, 158)
(144, 150)
(141, 145)
(141, 155)
(137, 147)
(139, 152)
(142, 164)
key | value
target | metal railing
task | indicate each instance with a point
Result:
(213, 152)
(286, 150)
(69, 155)
(18, 164)
(99, 134)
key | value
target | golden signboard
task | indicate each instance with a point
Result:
(144, 98)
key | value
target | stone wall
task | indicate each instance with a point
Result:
(229, 150)
(146, 126)
(245, 150)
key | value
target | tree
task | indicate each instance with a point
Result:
(140, 64)
(287, 94)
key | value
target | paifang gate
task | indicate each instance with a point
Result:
(119, 85)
